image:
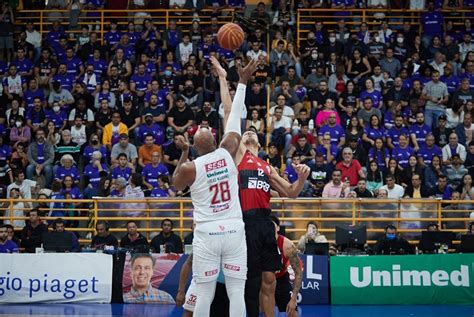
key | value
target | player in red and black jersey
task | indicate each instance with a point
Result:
(286, 294)
(256, 180)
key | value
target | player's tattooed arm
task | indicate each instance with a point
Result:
(292, 254)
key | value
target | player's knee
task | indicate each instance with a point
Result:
(268, 279)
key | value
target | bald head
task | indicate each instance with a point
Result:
(204, 141)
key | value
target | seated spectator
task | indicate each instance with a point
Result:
(281, 130)
(145, 151)
(164, 188)
(391, 243)
(327, 150)
(18, 208)
(350, 168)
(31, 235)
(134, 240)
(441, 132)
(149, 127)
(41, 158)
(312, 235)
(67, 168)
(441, 190)
(318, 97)
(428, 151)
(167, 241)
(416, 189)
(464, 93)
(113, 131)
(59, 226)
(208, 113)
(419, 131)
(66, 146)
(366, 112)
(374, 177)
(6, 245)
(456, 171)
(453, 148)
(362, 191)
(79, 131)
(303, 150)
(272, 157)
(279, 60)
(323, 116)
(81, 110)
(281, 102)
(103, 240)
(93, 145)
(403, 151)
(259, 125)
(180, 117)
(454, 114)
(336, 188)
(373, 94)
(413, 167)
(70, 189)
(465, 130)
(92, 174)
(124, 168)
(20, 133)
(171, 155)
(373, 131)
(394, 191)
(465, 188)
(125, 147)
(153, 170)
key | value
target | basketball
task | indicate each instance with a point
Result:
(230, 36)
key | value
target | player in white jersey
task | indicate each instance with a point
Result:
(219, 235)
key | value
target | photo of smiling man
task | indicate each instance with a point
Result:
(142, 267)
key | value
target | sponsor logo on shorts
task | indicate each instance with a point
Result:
(235, 268)
(222, 233)
(215, 165)
(211, 273)
(221, 228)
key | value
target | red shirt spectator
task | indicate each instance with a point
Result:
(350, 168)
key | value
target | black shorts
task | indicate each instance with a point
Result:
(283, 292)
(262, 248)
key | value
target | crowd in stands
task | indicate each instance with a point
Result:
(375, 111)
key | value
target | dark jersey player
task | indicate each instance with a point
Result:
(285, 293)
(256, 179)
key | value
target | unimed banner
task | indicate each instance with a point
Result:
(415, 279)
(315, 286)
(55, 278)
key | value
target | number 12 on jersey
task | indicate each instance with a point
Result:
(221, 192)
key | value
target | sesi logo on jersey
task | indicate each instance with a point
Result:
(215, 165)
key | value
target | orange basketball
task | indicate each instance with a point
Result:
(230, 36)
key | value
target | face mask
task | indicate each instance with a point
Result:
(56, 108)
(314, 56)
(18, 124)
(391, 236)
(332, 39)
(90, 72)
(189, 89)
(149, 122)
(311, 40)
(377, 39)
(167, 73)
(400, 40)
(95, 142)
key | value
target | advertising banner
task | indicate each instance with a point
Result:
(55, 278)
(416, 279)
(315, 286)
(151, 278)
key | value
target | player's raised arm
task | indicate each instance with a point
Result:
(286, 189)
(233, 130)
(185, 171)
(224, 89)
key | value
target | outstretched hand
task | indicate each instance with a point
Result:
(246, 73)
(302, 170)
(182, 143)
(218, 67)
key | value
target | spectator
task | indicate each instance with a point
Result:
(41, 158)
(441, 132)
(113, 131)
(279, 60)
(452, 148)
(416, 189)
(323, 116)
(18, 208)
(362, 191)
(391, 243)
(367, 111)
(464, 93)
(419, 131)
(92, 174)
(153, 170)
(350, 168)
(124, 168)
(20, 133)
(455, 171)
(164, 188)
(6, 245)
(134, 240)
(281, 129)
(31, 235)
(124, 146)
(403, 151)
(441, 190)
(428, 151)
(312, 235)
(103, 240)
(465, 130)
(59, 226)
(436, 95)
(336, 188)
(465, 188)
(394, 191)
(180, 117)
(328, 150)
(167, 241)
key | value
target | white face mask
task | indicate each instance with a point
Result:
(400, 40)
(332, 39)
(314, 56)
(56, 108)
(377, 39)
(18, 124)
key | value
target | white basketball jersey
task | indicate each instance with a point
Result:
(215, 191)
